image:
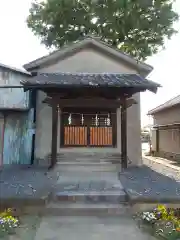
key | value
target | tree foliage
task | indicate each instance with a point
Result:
(137, 27)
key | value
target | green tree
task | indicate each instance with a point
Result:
(137, 27)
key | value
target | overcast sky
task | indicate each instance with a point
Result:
(18, 46)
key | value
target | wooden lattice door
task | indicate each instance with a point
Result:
(84, 128)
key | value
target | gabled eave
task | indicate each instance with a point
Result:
(143, 68)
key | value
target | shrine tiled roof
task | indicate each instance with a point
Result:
(91, 80)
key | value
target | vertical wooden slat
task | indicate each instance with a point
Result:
(91, 136)
(67, 135)
(75, 135)
(81, 136)
(72, 136)
(107, 135)
(111, 136)
(104, 136)
(75, 140)
(68, 139)
(98, 136)
(85, 135)
(82, 139)
(95, 136)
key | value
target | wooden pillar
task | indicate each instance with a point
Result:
(124, 133)
(54, 135)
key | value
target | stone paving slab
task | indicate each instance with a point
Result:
(144, 184)
(89, 188)
(85, 186)
(89, 228)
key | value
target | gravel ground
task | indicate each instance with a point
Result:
(23, 182)
(151, 183)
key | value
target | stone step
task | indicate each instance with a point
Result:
(84, 209)
(90, 154)
(86, 163)
(91, 197)
(90, 160)
(86, 157)
(67, 167)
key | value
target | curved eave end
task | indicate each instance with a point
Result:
(154, 89)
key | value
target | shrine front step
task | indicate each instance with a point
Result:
(91, 197)
(84, 209)
(88, 167)
(85, 157)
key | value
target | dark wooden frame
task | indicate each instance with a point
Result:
(108, 98)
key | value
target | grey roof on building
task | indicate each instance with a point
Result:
(21, 71)
(170, 103)
(94, 42)
(91, 79)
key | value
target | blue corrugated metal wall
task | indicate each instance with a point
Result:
(18, 138)
(12, 98)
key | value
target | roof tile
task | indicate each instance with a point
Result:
(89, 79)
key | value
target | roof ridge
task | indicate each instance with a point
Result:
(96, 42)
